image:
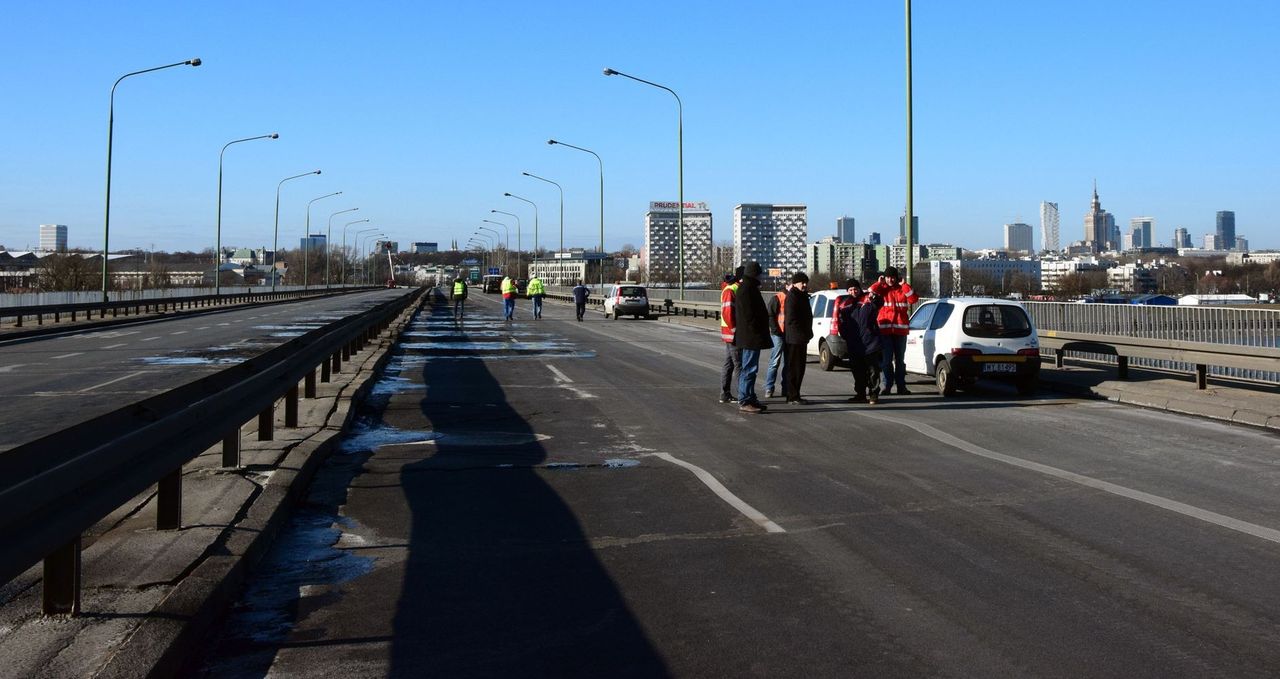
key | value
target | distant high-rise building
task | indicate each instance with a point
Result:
(773, 235)
(53, 237)
(1017, 237)
(1142, 228)
(915, 228)
(660, 258)
(1212, 242)
(1226, 230)
(1181, 238)
(1049, 236)
(844, 229)
(1100, 232)
(873, 238)
(1242, 244)
(421, 248)
(312, 243)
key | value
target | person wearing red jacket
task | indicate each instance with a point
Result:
(893, 319)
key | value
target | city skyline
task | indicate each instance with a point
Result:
(426, 136)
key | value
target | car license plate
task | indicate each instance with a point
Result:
(1000, 368)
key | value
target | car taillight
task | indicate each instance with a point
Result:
(965, 351)
(1028, 352)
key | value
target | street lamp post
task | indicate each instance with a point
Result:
(306, 238)
(367, 246)
(217, 246)
(344, 247)
(111, 123)
(275, 239)
(909, 220)
(357, 245)
(535, 220)
(518, 230)
(553, 142)
(506, 254)
(561, 207)
(328, 238)
(680, 160)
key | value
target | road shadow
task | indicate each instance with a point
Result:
(500, 579)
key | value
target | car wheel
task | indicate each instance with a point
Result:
(615, 315)
(945, 380)
(825, 359)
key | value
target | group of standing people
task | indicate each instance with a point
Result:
(872, 323)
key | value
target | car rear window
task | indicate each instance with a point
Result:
(631, 291)
(996, 320)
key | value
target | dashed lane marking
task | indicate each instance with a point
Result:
(74, 353)
(724, 493)
(559, 375)
(150, 339)
(115, 346)
(118, 379)
(180, 332)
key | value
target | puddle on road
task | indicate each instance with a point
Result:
(392, 385)
(485, 346)
(607, 464)
(489, 438)
(369, 436)
(404, 362)
(302, 558)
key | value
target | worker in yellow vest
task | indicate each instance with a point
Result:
(458, 295)
(536, 291)
(509, 298)
(732, 354)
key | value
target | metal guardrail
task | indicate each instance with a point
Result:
(55, 488)
(157, 305)
(1219, 341)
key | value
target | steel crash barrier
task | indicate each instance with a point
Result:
(87, 310)
(54, 489)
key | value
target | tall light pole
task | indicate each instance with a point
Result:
(553, 142)
(328, 238)
(344, 247)
(275, 239)
(111, 124)
(535, 220)
(506, 230)
(909, 219)
(368, 245)
(306, 238)
(561, 206)
(680, 160)
(217, 247)
(518, 229)
(357, 243)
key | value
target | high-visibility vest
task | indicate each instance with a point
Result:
(508, 287)
(536, 288)
(459, 289)
(726, 312)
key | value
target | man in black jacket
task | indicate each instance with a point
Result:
(861, 333)
(799, 330)
(750, 334)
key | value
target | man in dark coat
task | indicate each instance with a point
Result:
(799, 330)
(750, 335)
(861, 333)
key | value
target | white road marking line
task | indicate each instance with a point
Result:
(115, 346)
(1257, 531)
(203, 327)
(74, 353)
(8, 368)
(724, 493)
(180, 332)
(118, 379)
(150, 339)
(559, 375)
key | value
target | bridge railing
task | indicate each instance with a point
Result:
(55, 488)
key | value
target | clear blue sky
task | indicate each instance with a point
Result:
(424, 113)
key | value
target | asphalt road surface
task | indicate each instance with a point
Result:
(553, 498)
(49, 383)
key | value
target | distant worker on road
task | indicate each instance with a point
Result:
(508, 298)
(536, 292)
(893, 318)
(458, 295)
(580, 294)
(732, 355)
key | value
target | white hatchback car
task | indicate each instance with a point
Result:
(629, 299)
(958, 340)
